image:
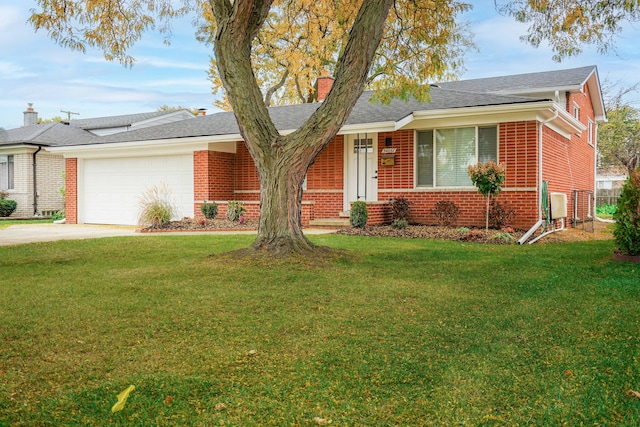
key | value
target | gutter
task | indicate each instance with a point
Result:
(35, 182)
(537, 225)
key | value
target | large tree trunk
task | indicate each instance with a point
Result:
(280, 226)
(283, 161)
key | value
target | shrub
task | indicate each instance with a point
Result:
(627, 216)
(445, 213)
(606, 209)
(235, 210)
(7, 207)
(156, 205)
(488, 178)
(59, 215)
(400, 208)
(463, 230)
(504, 237)
(500, 214)
(359, 215)
(209, 210)
(400, 224)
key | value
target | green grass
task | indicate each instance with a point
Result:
(4, 223)
(405, 332)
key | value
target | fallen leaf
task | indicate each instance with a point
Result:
(122, 398)
(220, 406)
(321, 421)
(168, 400)
(633, 393)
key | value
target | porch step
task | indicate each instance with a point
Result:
(330, 222)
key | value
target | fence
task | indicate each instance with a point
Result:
(607, 196)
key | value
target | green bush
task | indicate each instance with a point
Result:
(400, 224)
(359, 215)
(59, 215)
(235, 210)
(627, 216)
(7, 207)
(606, 209)
(156, 205)
(209, 210)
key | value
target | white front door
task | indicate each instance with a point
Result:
(361, 177)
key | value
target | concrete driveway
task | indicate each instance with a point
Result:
(30, 233)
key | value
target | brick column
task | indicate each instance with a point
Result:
(71, 185)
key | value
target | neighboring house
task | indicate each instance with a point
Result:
(33, 175)
(609, 183)
(541, 126)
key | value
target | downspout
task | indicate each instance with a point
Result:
(35, 182)
(537, 225)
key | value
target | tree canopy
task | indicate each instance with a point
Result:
(568, 25)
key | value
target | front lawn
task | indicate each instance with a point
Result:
(402, 332)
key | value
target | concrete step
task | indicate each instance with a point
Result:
(330, 222)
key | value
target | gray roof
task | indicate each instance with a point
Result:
(49, 134)
(529, 82)
(448, 95)
(116, 121)
(291, 117)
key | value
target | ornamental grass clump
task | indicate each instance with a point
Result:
(488, 178)
(157, 207)
(627, 216)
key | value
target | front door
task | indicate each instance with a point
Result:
(361, 179)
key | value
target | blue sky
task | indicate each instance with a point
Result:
(33, 69)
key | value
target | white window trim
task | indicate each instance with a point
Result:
(576, 111)
(434, 187)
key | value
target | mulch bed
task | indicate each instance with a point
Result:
(436, 232)
(602, 231)
(189, 224)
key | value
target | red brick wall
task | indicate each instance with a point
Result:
(568, 164)
(71, 184)
(246, 174)
(517, 150)
(213, 175)
(325, 180)
(401, 174)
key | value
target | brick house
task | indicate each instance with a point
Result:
(541, 126)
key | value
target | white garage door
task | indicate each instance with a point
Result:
(112, 187)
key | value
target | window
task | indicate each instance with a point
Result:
(590, 133)
(443, 155)
(6, 172)
(363, 145)
(576, 111)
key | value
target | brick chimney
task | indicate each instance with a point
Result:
(30, 116)
(324, 83)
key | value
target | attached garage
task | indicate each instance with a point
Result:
(110, 188)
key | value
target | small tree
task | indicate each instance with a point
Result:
(488, 178)
(627, 217)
